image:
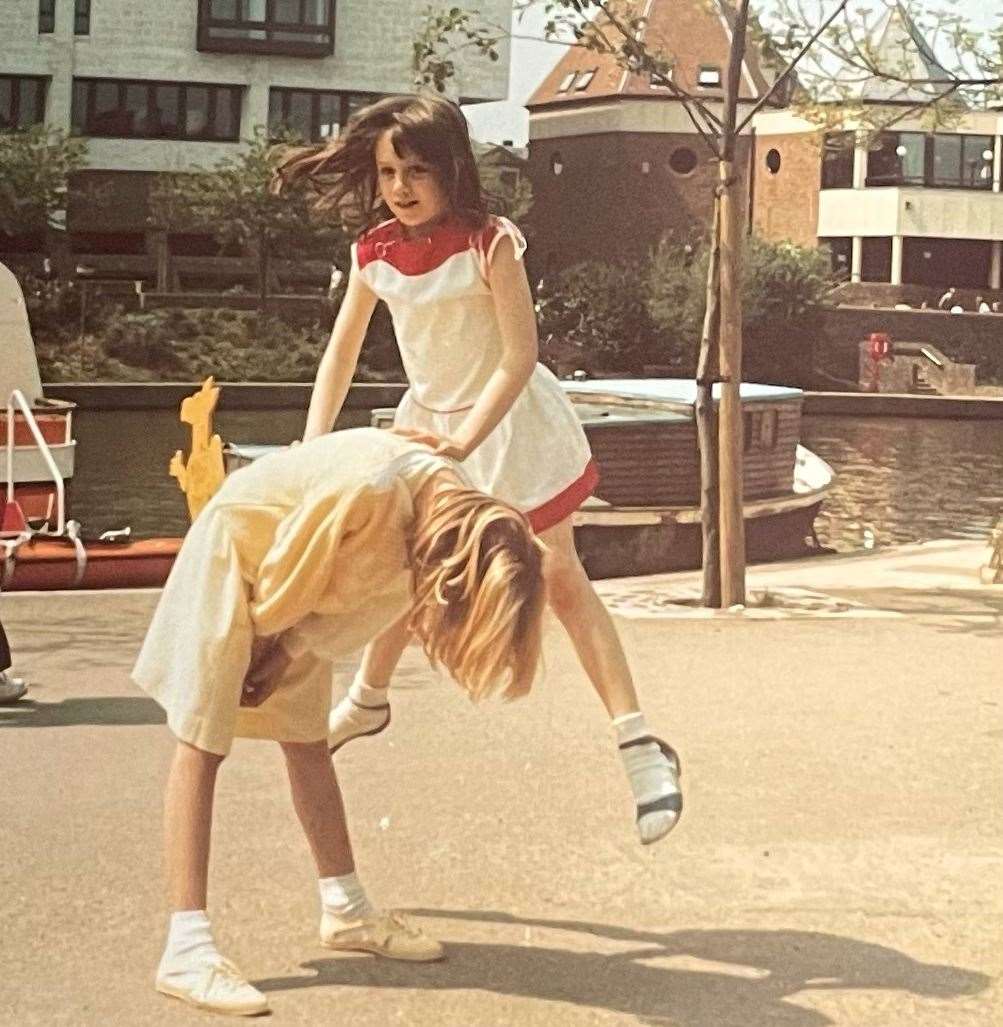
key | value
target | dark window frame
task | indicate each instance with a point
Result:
(81, 17)
(930, 179)
(14, 115)
(83, 120)
(271, 35)
(284, 94)
(839, 154)
(46, 16)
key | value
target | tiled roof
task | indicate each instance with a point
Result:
(694, 35)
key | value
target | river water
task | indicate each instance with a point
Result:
(897, 480)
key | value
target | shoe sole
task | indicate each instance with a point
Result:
(374, 951)
(181, 996)
(364, 734)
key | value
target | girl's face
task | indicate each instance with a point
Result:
(408, 185)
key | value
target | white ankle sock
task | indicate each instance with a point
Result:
(363, 695)
(345, 897)
(650, 773)
(189, 942)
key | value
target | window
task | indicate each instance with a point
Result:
(709, 76)
(567, 81)
(897, 158)
(302, 28)
(156, 110)
(82, 17)
(683, 161)
(837, 160)
(313, 115)
(963, 161)
(773, 161)
(46, 16)
(585, 80)
(943, 159)
(22, 101)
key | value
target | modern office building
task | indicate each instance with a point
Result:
(909, 206)
(166, 85)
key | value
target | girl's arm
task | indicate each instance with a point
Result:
(337, 366)
(517, 322)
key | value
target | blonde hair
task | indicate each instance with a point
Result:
(478, 591)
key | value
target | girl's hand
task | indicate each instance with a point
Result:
(268, 663)
(439, 445)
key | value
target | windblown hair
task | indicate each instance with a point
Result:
(478, 592)
(342, 173)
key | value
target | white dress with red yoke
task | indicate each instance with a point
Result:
(537, 458)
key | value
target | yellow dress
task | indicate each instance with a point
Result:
(309, 542)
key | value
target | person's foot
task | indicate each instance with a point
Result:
(364, 711)
(653, 770)
(214, 984)
(11, 688)
(383, 934)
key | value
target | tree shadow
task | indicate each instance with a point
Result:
(769, 967)
(117, 710)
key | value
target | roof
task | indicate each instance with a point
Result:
(898, 48)
(695, 35)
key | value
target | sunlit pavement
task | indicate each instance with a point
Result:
(839, 861)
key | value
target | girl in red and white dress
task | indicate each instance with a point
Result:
(453, 279)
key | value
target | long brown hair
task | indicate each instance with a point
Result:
(478, 591)
(342, 173)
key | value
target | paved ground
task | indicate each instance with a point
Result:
(839, 861)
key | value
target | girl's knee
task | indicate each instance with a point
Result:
(566, 581)
(192, 755)
(295, 752)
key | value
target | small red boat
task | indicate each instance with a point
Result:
(39, 548)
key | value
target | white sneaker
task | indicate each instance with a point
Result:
(11, 689)
(216, 985)
(385, 934)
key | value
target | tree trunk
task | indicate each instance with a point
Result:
(707, 421)
(730, 444)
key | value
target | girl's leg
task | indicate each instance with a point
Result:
(191, 784)
(348, 920)
(653, 773)
(192, 968)
(365, 710)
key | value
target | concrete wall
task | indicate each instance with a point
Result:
(965, 338)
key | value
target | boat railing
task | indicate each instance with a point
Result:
(17, 403)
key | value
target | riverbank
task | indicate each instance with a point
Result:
(838, 862)
(363, 395)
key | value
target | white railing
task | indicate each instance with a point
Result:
(17, 400)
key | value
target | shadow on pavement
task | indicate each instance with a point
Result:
(107, 710)
(769, 967)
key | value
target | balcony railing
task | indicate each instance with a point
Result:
(298, 28)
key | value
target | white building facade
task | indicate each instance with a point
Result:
(165, 85)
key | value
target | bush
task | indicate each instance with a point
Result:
(782, 288)
(593, 316)
(189, 344)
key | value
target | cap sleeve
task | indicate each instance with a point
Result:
(498, 228)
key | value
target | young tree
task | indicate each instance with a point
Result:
(36, 165)
(233, 198)
(821, 49)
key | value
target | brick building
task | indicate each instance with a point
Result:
(912, 208)
(615, 162)
(165, 85)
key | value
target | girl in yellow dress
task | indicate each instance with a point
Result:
(301, 558)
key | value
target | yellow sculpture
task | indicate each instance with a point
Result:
(204, 472)
(992, 573)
